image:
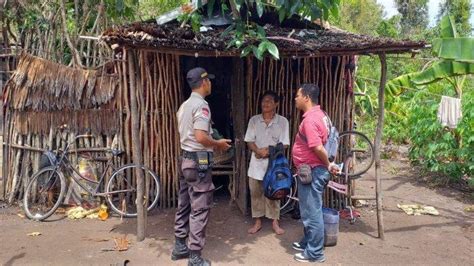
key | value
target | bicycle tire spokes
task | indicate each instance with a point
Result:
(122, 190)
(358, 147)
(43, 193)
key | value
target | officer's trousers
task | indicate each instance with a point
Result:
(194, 203)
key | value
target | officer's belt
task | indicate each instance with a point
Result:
(190, 154)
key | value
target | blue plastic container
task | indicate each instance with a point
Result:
(331, 226)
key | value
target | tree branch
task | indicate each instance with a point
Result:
(76, 57)
(235, 11)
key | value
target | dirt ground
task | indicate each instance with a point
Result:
(447, 239)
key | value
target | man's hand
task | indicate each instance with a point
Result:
(223, 144)
(265, 152)
(262, 153)
(334, 169)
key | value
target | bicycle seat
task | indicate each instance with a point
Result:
(117, 152)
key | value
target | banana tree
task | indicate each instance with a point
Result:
(455, 61)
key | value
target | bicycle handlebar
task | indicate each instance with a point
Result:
(63, 127)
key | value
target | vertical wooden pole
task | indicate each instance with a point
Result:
(378, 142)
(136, 143)
(238, 112)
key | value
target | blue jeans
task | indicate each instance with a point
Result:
(310, 201)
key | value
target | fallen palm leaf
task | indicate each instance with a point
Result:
(121, 243)
(416, 209)
(469, 208)
(79, 212)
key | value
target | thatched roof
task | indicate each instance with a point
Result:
(41, 85)
(42, 95)
(303, 41)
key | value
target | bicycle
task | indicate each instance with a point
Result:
(356, 154)
(46, 190)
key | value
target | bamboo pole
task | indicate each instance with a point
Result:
(143, 108)
(137, 156)
(378, 142)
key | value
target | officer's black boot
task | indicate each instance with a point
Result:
(195, 259)
(180, 250)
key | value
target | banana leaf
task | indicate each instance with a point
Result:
(448, 28)
(398, 85)
(441, 70)
(456, 59)
(459, 49)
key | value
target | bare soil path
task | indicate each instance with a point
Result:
(447, 239)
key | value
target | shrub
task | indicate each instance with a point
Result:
(440, 149)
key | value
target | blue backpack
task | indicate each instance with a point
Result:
(277, 180)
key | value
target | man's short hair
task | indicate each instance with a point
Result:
(275, 96)
(312, 91)
(196, 85)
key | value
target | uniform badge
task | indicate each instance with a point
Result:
(205, 112)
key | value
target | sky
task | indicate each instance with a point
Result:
(433, 9)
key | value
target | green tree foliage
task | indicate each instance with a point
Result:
(360, 16)
(461, 10)
(148, 9)
(389, 27)
(414, 16)
(121, 10)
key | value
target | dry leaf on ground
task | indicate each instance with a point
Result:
(121, 243)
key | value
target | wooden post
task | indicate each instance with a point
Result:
(136, 144)
(238, 113)
(378, 142)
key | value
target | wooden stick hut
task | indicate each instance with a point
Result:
(145, 87)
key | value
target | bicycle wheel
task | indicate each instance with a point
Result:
(288, 200)
(44, 193)
(357, 146)
(121, 190)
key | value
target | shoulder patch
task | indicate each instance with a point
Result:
(205, 112)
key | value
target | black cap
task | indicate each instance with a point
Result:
(197, 74)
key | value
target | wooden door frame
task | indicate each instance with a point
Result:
(238, 112)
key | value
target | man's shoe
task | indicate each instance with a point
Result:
(296, 246)
(180, 250)
(195, 259)
(302, 258)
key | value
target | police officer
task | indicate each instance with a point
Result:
(195, 181)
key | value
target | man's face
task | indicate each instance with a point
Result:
(207, 85)
(300, 100)
(268, 104)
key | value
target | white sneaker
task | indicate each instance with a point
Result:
(296, 246)
(302, 258)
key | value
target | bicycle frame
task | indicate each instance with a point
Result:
(68, 167)
(63, 164)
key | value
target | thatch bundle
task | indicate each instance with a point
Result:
(41, 85)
